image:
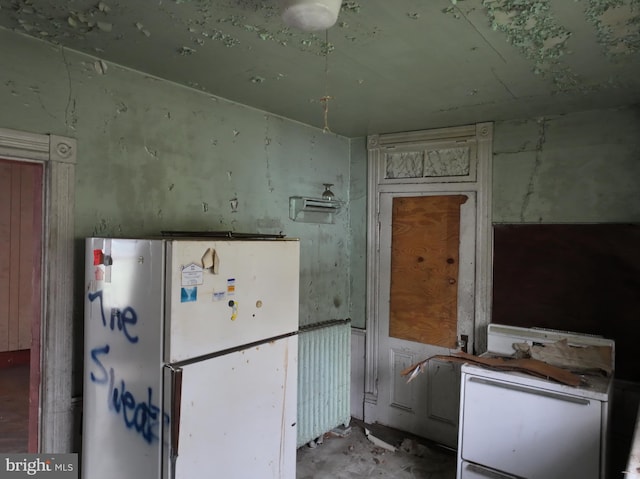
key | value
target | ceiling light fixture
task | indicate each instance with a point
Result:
(310, 15)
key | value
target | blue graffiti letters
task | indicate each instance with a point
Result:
(104, 377)
(144, 417)
(137, 415)
(129, 316)
(120, 320)
(92, 297)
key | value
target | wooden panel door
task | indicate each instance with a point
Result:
(20, 220)
(426, 298)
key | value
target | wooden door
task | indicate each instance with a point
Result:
(426, 298)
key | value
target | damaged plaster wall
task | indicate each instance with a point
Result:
(575, 168)
(156, 156)
(358, 231)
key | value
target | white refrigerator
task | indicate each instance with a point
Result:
(190, 358)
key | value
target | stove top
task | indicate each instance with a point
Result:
(501, 338)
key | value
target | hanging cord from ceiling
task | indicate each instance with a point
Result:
(325, 99)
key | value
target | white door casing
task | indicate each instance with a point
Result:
(450, 161)
(58, 155)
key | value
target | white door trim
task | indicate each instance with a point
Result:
(58, 157)
(482, 135)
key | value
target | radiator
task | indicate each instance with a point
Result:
(324, 365)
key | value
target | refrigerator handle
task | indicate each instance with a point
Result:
(176, 400)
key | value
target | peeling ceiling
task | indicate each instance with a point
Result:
(386, 66)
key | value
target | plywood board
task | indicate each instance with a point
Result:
(424, 269)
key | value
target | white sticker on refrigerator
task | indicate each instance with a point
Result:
(192, 275)
(219, 295)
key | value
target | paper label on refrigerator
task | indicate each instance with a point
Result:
(231, 286)
(189, 294)
(192, 275)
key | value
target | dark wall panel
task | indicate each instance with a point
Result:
(583, 278)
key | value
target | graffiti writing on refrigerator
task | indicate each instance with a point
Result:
(140, 414)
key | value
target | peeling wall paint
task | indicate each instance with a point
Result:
(154, 156)
(618, 25)
(204, 22)
(531, 27)
(242, 50)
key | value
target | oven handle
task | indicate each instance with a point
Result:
(176, 400)
(539, 392)
(491, 474)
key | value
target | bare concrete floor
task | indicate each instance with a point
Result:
(354, 457)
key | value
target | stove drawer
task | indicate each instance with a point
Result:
(467, 470)
(528, 431)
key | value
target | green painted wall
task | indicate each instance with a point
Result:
(358, 231)
(575, 168)
(156, 156)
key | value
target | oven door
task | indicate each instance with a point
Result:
(508, 425)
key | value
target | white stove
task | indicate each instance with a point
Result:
(514, 425)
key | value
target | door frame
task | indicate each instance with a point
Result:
(479, 181)
(57, 154)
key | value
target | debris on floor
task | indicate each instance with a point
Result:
(378, 442)
(414, 448)
(355, 456)
(341, 431)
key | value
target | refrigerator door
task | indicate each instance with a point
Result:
(224, 294)
(123, 416)
(237, 415)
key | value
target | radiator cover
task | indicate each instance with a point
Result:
(324, 365)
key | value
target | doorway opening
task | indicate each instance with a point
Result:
(428, 271)
(21, 220)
